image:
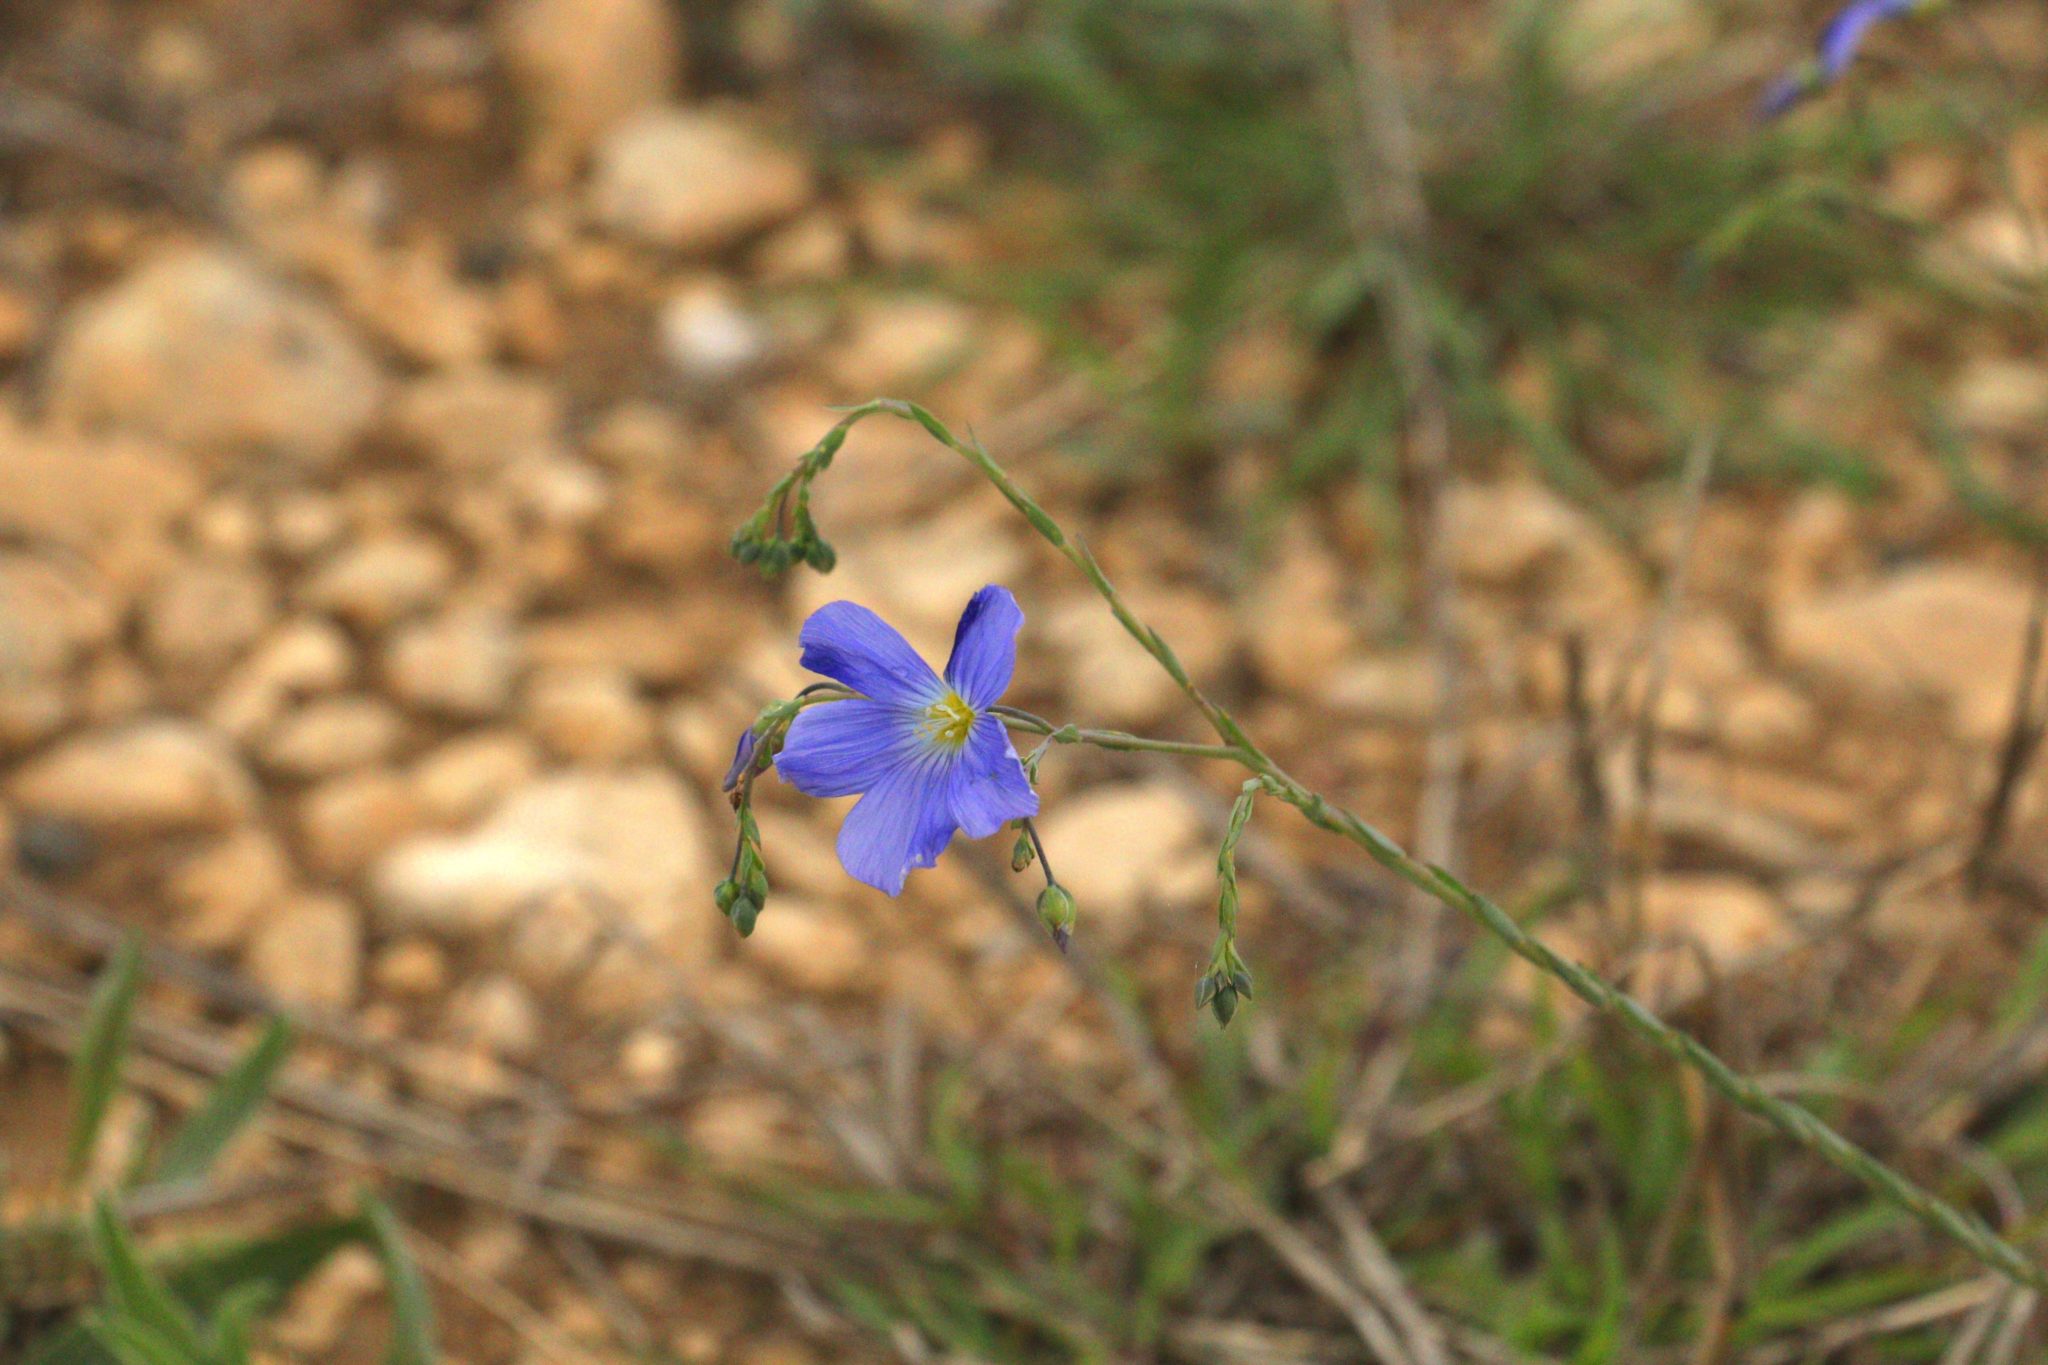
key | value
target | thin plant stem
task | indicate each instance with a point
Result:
(1792, 1120)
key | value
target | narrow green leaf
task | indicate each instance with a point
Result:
(412, 1312)
(227, 1109)
(135, 1291)
(96, 1073)
(132, 1342)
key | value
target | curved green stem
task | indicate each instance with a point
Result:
(1793, 1120)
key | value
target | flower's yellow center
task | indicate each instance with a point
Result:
(948, 720)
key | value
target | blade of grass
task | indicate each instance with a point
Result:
(412, 1312)
(96, 1074)
(227, 1109)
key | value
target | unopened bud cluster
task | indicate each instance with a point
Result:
(741, 896)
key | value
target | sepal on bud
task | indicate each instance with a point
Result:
(1056, 913)
(1024, 854)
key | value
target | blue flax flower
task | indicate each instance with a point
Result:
(1839, 43)
(923, 751)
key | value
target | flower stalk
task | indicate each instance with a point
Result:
(1793, 1120)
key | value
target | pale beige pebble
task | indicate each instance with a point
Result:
(1764, 718)
(559, 491)
(655, 644)
(653, 526)
(480, 417)
(1731, 919)
(493, 1245)
(374, 582)
(588, 715)
(1818, 540)
(205, 613)
(582, 67)
(306, 522)
(810, 949)
(462, 778)
(1113, 681)
(638, 437)
(708, 336)
(628, 981)
(1296, 617)
(32, 710)
(301, 657)
(903, 340)
(1503, 532)
(1925, 182)
(114, 501)
(202, 347)
(115, 688)
(464, 662)
(2000, 396)
(224, 889)
(227, 526)
(325, 1304)
(498, 1015)
(556, 936)
(919, 581)
(1946, 631)
(308, 952)
(651, 1060)
(1398, 687)
(331, 735)
(813, 249)
(702, 737)
(694, 179)
(147, 776)
(348, 822)
(739, 1128)
(414, 967)
(414, 303)
(634, 837)
(1121, 848)
(51, 616)
(273, 190)
(1608, 42)
(1998, 238)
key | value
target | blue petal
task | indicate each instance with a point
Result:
(741, 758)
(985, 647)
(837, 748)
(988, 787)
(904, 821)
(1846, 31)
(850, 644)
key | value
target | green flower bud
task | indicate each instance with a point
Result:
(1024, 854)
(746, 550)
(728, 891)
(1056, 913)
(743, 914)
(1224, 1005)
(757, 884)
(821, 556)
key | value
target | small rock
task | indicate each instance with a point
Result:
(812, 951)
(201, 348)
(114, 502)
(1730, 919)
(204, 614)
(693, 180)
(49, 618)
(581, 67)
(591, 716)
(904, 341)
(462, 663)
(413, 967)
(558, 491)
(557, 937)
(655, 644)
(333, 735)
(415, 305)
(348, 822)
(309, 953)
(1120, 848)
(632, 837)
(1396, 689)
(498, 1015)
(149, 776)
(1950, 632)
(375, 582)
(479, 418)
(708, 337)
(458, 781)
(1503, 532)
(299, 658)
(2000, 397)
(223, 890)
(814, 248)
(1296, 618)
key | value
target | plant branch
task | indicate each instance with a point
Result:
(1792, 1120)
